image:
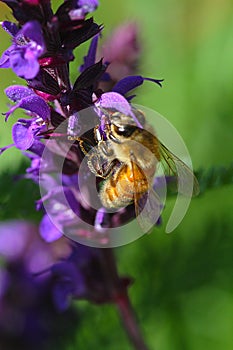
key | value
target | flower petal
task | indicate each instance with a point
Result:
(10, 28)
(14, 236)
(33, 31)
(17, 92)
(129, 83)
(5, 59)
(88, 5)
(28, 100)
(89, 60)
(24, 63)
(114, 100)
(48, 231)
(4, 281)
(62, 295)
(22, 136)
(3, 149)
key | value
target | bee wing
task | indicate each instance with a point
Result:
(148, 209)
(148, 205)
(175, 166)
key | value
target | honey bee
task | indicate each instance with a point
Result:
(126, 157)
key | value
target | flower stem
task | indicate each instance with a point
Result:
(119, 295)
(130, 323)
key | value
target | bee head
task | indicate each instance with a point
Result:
(121, 127)
(123, 130)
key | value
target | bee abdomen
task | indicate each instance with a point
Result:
(119, 190)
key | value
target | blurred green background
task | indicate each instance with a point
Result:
(183, 290)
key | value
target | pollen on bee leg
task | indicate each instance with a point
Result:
(109, 196)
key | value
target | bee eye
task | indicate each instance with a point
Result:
(126, 130)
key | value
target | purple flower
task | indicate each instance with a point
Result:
(19, 240)
(34, 153)
(49, 232)
(54, 106)
(42, 268)
(28, 45)
(23, 135)
(116, 101)
(88, 5)
(82, 275)
(90, 58)
(26, 132)
(82, 8)
(28, 319)
(69, 213)
(25, 98)
(131, 82)
(65, 212)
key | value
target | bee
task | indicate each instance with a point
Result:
(126, 158)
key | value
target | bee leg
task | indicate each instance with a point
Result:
(108, 168)
(106, 149)
(102, 169)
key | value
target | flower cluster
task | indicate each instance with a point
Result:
(42, 48)
(29, 318)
